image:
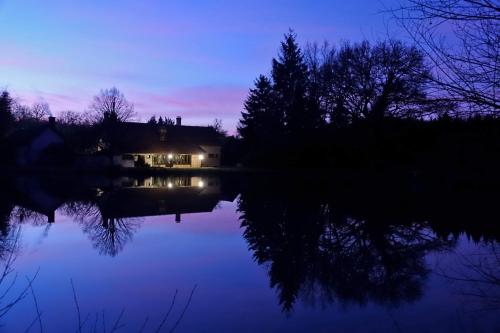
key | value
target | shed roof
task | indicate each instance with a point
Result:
(25, 135)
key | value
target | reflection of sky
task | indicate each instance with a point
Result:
(233, 293)
(191, 58)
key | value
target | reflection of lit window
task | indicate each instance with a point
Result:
(170, 156)
(170, 185)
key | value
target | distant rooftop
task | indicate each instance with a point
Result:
(132, 137)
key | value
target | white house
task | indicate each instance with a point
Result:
(164, 146)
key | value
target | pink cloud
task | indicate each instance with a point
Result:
(207, 99)
(57, 101)
(195, 104)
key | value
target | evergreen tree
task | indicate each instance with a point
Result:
(169, 121)
(289, 75)
(160, 121)
(152, 120)
(261, 120)
(6, 116)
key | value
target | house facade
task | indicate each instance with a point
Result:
(164, 146)
(33, 144)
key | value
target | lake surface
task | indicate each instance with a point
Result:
(247, 254)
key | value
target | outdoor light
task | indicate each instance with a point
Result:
(170, 185)
(170, 156)
(201, 157)
(200, 184)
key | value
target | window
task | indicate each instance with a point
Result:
(213, 155)
(128, 157)
(163, 134)
(160, 160)
(182, 159)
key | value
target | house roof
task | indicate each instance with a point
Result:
(147, 138)
(25, 135)
(158, 201)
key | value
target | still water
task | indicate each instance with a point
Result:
(210, 254)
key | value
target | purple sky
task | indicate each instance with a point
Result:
(196, 59)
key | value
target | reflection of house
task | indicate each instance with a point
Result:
(161, 196)
(121, 198)
(32, 196)
(209, 184)
(140, 144)
(35, 144)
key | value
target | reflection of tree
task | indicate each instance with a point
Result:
(316, 254)
(384, 263)
(9, 297)
(9, 244)
(24, 215)
(478, 276)
(108, 234)
(6, 207)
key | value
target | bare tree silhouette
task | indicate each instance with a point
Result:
(107, 234)
(476, 276)
(9, 246)
(72, 118)
(24, 215)
(40, 111)
(111, 104)
(37, 112)
(461, 38)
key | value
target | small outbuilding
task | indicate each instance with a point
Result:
(38, 144)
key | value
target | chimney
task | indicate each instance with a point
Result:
(52, 121)
(51, 217)
(178, 121)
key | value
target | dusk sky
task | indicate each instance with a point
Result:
(196, 59)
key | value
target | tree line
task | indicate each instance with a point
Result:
(364, 98)
(313, 99)
(335, 87)
(109, 104)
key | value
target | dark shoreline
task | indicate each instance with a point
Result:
(393, 176)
